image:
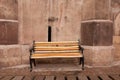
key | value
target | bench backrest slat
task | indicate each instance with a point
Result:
(56, 46)
(67, 43)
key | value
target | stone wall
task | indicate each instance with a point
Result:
(116, 37)
(91, 21)
(8, 22)
(12, 55)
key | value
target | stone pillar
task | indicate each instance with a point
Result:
(97, 32)
(8, 22)
(10, 51)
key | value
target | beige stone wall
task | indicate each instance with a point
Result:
(34, 20)
(12, 55)
(116, 37)
(33, 17)
(28, 20)
(8, 22)
(68, 15)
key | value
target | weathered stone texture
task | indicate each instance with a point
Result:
(96, 9)
(116, 39)
(103, 56)
(117, 25)
(98, 56)
(12, 55)
(9, 9)
(88, 7)
(66, 27)
(8, 32)
(33, 17)
(115, 4)
(103, 9)
(116, 52)
(97, 33)
(25, 54)
(88, 54)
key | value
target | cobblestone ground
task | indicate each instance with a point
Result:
(60, 72)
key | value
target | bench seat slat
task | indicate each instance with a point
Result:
(56, 55)
(65, 51)
(56, 48)
(67, 43)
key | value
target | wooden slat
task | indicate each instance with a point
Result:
(49, 78)
(104, 77)
(28, 78)
(18, 78)
(56, 48)
(60, 77)
(71, 77)
(7, 78)
(93, 77)
(71, 51)
(115, 77)
(82, 77)
(56, 55)
(68, 43)
(39, 77)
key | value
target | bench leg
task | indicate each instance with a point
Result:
(82, 62)
(34, 62)
(30, 64)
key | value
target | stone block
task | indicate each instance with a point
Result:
(103, 56)
(25, 54)
(9, 9)
(14, 61)
(88, 7)
(13, 55)
(2, 53)
(8, 32)
(10, 55)
(103, 9)
(98, 55)
(97, 33)
(3, 62)
(88, 54)
(116, 39)
(14, 51)
(116, 52)
(115, 4)
(96, 9)
(117, 25)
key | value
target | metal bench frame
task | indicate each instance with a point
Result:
(32, 61)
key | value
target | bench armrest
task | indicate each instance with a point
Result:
(31, 50)
(81, 48)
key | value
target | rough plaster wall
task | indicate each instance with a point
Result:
(116, 37)
(8, 9)
(8, 22)
(116, 16)
(94, 9)
(67, 13)
(88, 7)
(33, 20)
(117, 25)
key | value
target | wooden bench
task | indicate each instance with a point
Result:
(66, 49)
